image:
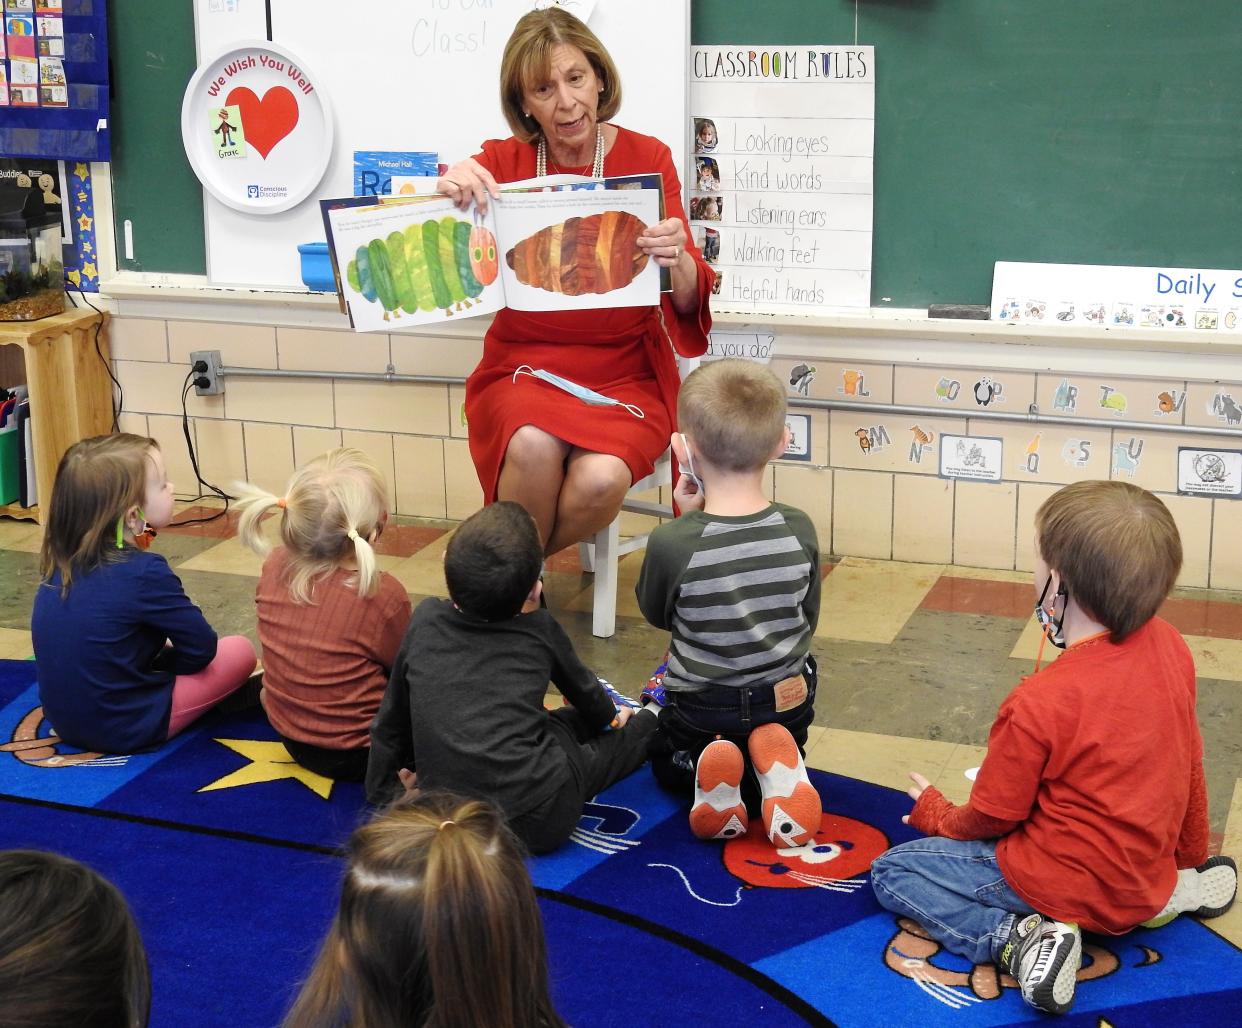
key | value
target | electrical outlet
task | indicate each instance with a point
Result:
(215, 380)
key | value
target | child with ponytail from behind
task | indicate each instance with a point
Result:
(125, 661)
(330, 622)
(437, 925)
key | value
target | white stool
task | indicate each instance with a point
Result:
(601, 553)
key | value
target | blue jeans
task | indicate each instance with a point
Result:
(955, 890)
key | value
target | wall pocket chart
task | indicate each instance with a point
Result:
(780, 174)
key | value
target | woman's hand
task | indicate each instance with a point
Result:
(664, 242)
(468, 180)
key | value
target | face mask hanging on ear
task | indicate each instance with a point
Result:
(1053, 627)
(574, 389)
(142, 539)
(689, 471)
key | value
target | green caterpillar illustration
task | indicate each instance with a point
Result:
(441, 264)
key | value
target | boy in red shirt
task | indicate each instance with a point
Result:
(1090, 809)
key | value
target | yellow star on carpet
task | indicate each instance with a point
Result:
(269, 762)
(84, 223)
(81, 170)
(89, 269)
(75, 277)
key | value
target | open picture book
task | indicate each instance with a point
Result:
(562, 243)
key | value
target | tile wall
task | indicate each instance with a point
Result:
(870, 485)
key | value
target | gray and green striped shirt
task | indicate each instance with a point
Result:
(740, 595)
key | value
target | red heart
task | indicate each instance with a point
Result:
(265, 122)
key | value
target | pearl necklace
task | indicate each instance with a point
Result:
(597, 166)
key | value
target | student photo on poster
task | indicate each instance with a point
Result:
(705, 138)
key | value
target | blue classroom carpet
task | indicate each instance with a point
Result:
(228, 853)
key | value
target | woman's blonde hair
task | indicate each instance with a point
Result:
(330, 509)
(528, 56)
(98, 480)
(437, 926)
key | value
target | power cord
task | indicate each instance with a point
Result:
(118, 396)
(195, 378)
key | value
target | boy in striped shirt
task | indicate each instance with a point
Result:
(736, 580)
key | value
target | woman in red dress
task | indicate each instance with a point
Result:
(567, 461)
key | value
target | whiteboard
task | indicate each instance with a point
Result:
(419, 75)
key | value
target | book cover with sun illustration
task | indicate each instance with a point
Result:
(541, 246)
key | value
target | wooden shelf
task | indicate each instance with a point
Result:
(70, 392)
(16, 510)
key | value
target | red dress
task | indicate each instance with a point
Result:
(621, 352)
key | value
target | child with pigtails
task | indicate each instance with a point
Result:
(330, 622)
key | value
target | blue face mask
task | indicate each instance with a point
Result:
(574, 389)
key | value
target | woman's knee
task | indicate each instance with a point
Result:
(600, 484)
(533, 449)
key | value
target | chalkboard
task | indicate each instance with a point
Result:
(1095, 133)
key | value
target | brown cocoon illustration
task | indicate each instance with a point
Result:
(596, 254)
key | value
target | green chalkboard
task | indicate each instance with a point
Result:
(1097, 132)
(152, 44)
(1071, 131)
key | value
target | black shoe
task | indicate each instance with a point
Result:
(1044, 956)
(245, 697)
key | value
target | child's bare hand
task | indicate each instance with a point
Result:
(915, 791)
(623, 715)
(686, 494)
(409, 782)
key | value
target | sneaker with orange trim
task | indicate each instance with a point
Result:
(718, 811)
(791, 806)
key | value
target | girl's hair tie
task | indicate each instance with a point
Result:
(282, 503)
(444, 823)
(353, 534)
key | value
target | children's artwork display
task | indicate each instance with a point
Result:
(256, 129)
(1204, 300)
(411, 262)
(780, 170)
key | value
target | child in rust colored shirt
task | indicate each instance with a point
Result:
(1090, 808)
(330, 622)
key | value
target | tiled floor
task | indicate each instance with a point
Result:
(914, 658)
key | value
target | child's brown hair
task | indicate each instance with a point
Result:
(1116, 548)
(437, 925)
(734, 412)
(70, 952)
(97, 482)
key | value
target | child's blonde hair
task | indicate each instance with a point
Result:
(330, 509)
(98, 480)
(734, 411)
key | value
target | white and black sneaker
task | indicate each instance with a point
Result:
(1044, 956)
(1204, 891)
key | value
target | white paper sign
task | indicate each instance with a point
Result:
(799, 447)
(744, 345)
(1209, 472)
(780, 174)
(1103, 296)
(973, 457)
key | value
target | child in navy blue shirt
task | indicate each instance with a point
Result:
(124, 659)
